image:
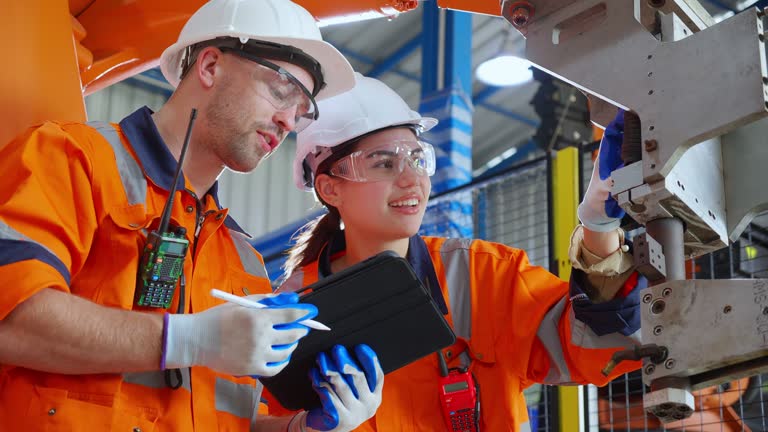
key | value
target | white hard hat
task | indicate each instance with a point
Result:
(277, 21)
(371, 105)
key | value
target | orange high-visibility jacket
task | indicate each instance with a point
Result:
(76, 202)
(519, 321)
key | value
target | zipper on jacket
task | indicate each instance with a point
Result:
(200, 221)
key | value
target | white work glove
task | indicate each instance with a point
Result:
(599, 211)
(349, 390)
(237, 340)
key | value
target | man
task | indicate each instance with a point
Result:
(79, 349)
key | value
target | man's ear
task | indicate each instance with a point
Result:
(207, 66)
(327, 188)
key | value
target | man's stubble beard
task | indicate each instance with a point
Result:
(238, 149)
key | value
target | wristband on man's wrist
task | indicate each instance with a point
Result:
(166, 317)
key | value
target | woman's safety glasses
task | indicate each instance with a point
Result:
(386, 162)
(283, 91)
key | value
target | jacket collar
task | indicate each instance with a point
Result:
(156, 160)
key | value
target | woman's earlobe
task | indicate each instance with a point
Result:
(325, 186)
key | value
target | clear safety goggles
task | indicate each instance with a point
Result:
(283, 90)
(386, 162)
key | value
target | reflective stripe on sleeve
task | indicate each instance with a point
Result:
(248, 258)
(455, 254)
(132, 177)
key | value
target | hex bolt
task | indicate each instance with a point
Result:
(521, 15)
(669, 364)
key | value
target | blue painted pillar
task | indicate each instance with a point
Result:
(447, 97)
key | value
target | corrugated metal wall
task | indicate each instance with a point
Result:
(266, 199)
(261, 201)
(117, 101)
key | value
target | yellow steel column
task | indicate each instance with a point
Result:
(565, 199)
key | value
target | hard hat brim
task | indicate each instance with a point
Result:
(337, 72)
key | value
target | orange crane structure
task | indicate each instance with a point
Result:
(59, 51)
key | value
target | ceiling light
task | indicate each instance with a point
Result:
(508, 153)
(507, 67)
(504, 70)
(350, 18)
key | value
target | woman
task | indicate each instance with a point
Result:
(517, 324)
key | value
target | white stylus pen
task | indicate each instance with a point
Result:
(242, 301)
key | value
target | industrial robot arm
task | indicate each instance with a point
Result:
(695, 152)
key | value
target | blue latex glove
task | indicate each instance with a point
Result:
(237, 340)
(288, 301)
(350, 391)
(599, 211)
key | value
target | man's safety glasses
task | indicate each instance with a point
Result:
(386, 162)
(283, 90)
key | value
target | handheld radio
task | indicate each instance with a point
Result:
(162, 260)
(459, 398)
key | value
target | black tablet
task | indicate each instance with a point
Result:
(379, 302)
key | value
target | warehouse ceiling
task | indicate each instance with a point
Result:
(504, 117)
(390, 49)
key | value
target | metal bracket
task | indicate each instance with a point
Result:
(669, 404)
(649, 257)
